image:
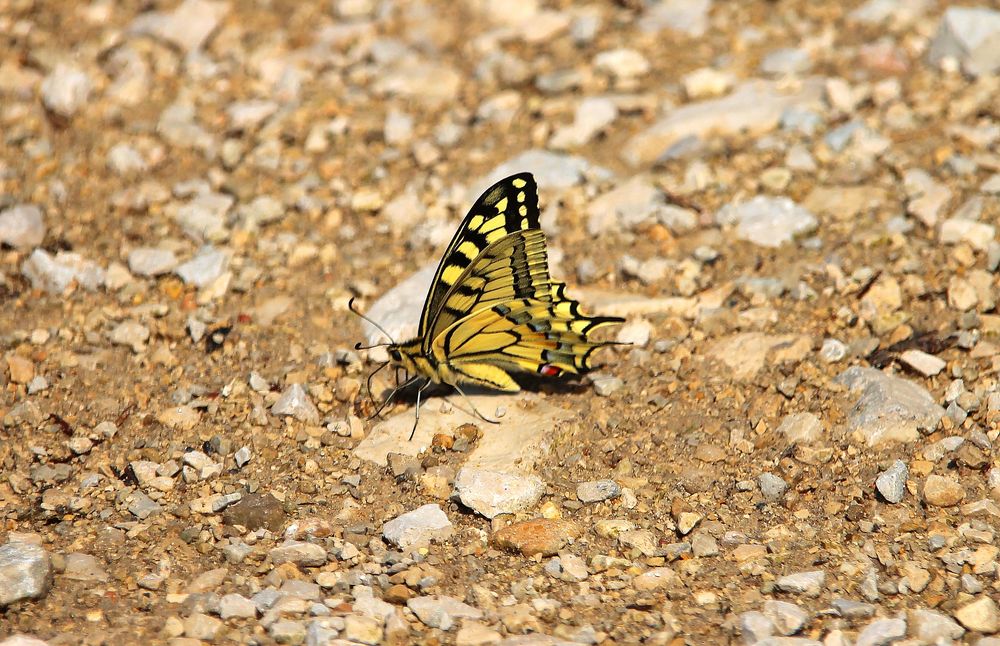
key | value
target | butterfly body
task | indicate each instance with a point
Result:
(492, 308)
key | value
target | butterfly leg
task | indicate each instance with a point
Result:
(416, 413)
(393, 394)
(473, 406)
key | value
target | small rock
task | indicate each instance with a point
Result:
(980, 615)
(881, 631)
(490, 493)
(207, 265)
(787, 618)
(970, 36)
(801, 428)
(755, 627)
(889, 409)
(66, 90)
(543, 536)
(236, 605)
(807, 583)
(84, 567)
(943, 491)
(636, 332)
(55, 274)
(891, 483)
(786, 61)
(256, 511)
(296, 403)
(933, 627)
(202, 626)
(147, 261)
(926, 364)
(22, 226)
(622, 63)
(772, 487)
(767, 221)
(442, 611)
(298, 552)
(25, 572)
(597, 491)
(419, 526)
(359, 629)
(130, 333)
(833, 350)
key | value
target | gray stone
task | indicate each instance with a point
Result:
(686, 16)
(889, 408)
(891, 483)
(362, 630)
(755, 627)
(787, 618)
(262, 210)
(881, 632)
(850, 609)
(147, 261)
(416, 527)
(296, 403)
(25, 572)
(178, 125)
(55, 273)
(593, 115)
(207, 265)
(298, 552)
(491, 493)
(801, 428)
(772, 487)
(130, 333)
(767, 221)
(442, 611)
(933, 627)
(142, 506)
(202, 626)
(188, 26)
(22, 226)
(926, 196)
(786, 61)
(755, 106)
(628, 205)
(65, 90)
(126, 161)
(289, 631)
(605, 385)
(926, 364)
(971, 35)
(807, 583)
(597, 490)
(833, 350)
(84, 567)
(204, 217)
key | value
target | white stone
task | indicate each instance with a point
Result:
(416, 527)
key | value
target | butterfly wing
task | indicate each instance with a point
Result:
(548, 337)
(509, 206)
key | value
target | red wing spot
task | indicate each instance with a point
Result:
(549, 370)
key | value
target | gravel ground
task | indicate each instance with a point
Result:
(793, 203)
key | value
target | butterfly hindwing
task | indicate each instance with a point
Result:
(508, 206)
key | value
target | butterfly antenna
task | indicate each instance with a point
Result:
(391, 395)
(473, 407)
(358, 346)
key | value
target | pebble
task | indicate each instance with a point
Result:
(65, 90)
(25, 572)
(441, 611)
(772, 487)
(969, 35)
(690, 17)
(55, 273)
(933, 627)
(787, 618)
(755, 627)
(188, 26)
(22, 226)
(926, 364)
(84, 567)
(833, 350)
(294, 402)
(786, 61)
(850, 609)
(593, 115)
(147, 261)
(943, 491)
(891, 483)
(980, 615)
(622, 63)
(298, 552)
(256, 511)
(808, 583)
(474, 633)
(202, 626)
(926, 196)
(889, 409)
(655, 578)
(288, 631)
(756, 106)
(636, 332)
(605, 385)
(881, 631)
(205, 267)
(490, 493)
(767, 221)
(418, 527)
(130, 333)
(597, 491)
(543, 536)
(359, 629)
(706, 82)
(801, 428)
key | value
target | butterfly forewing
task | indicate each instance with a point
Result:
(508, 206)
